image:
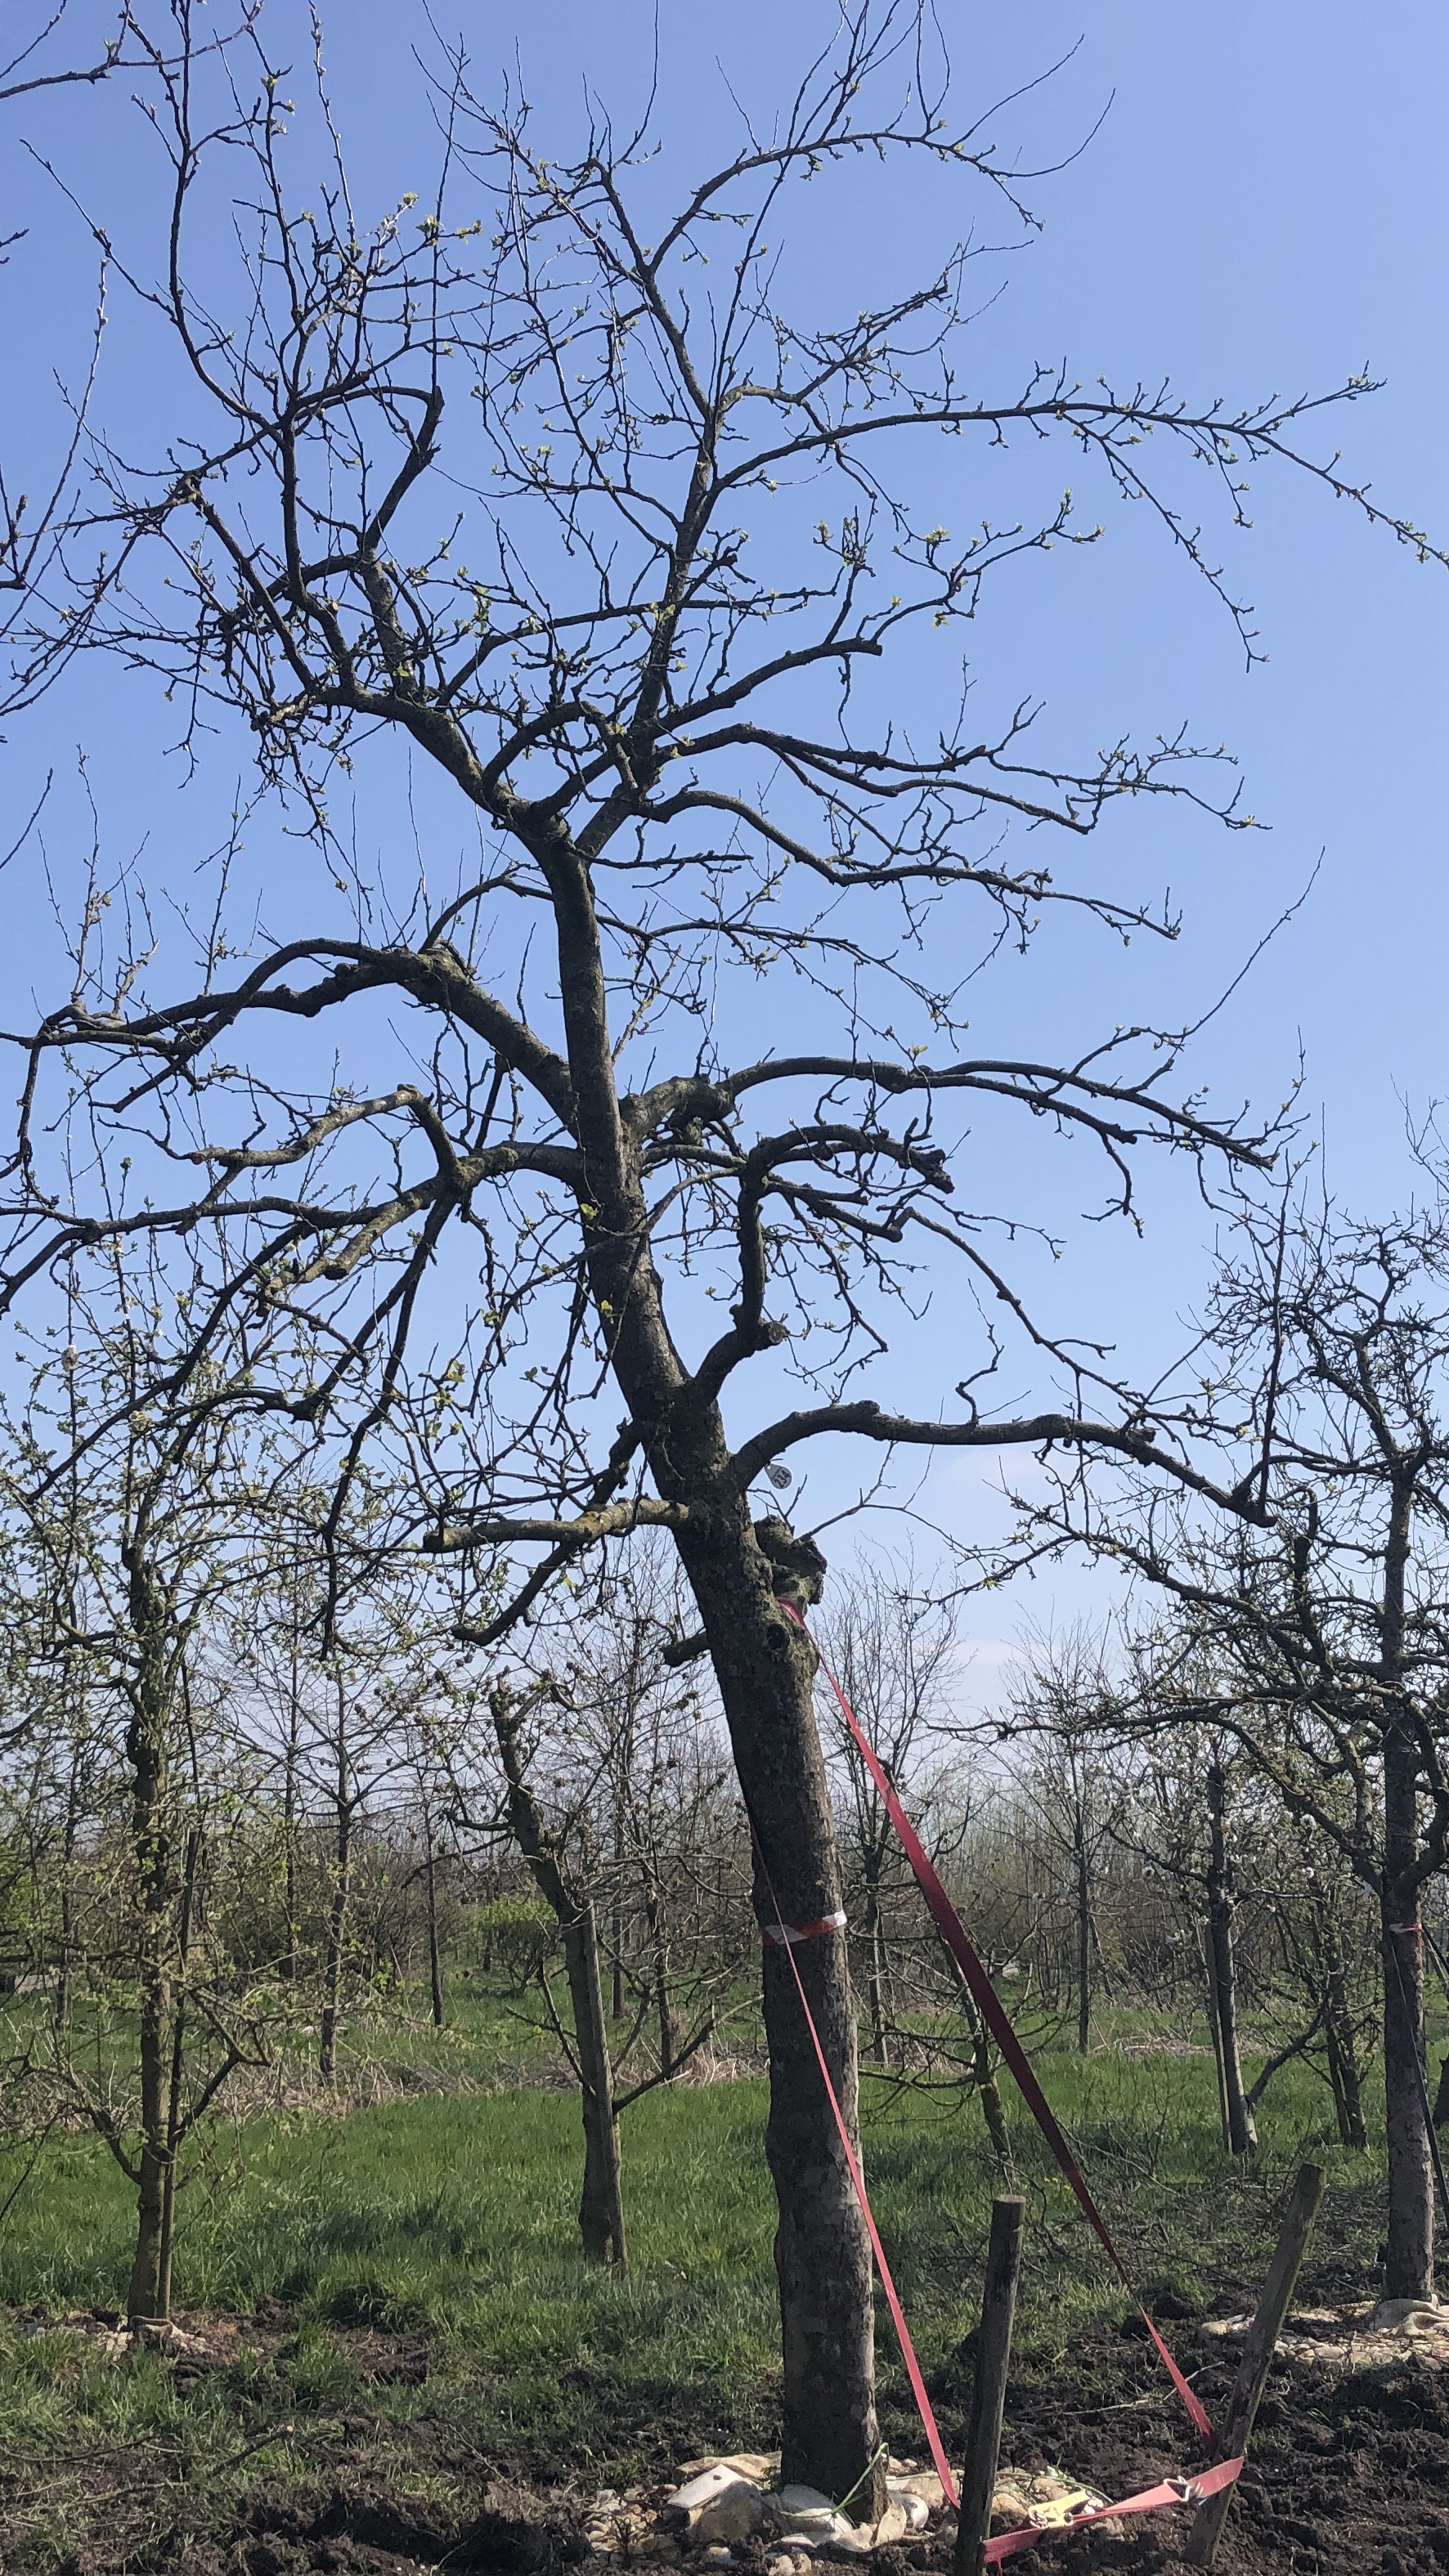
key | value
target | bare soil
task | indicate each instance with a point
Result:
(1348, 2476)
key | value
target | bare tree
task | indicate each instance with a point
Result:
(130, 1518)
(1064, 1702)
(1321, 1623)
(893, 1653)
(617, 1811)
(333, 1656)
(545, 488)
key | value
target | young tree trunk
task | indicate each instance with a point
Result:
(765, 1669)
(143, 2296)
(616, 1927)
(430, 1882)
(1409, 2270)
(623, 1801)
(1222, 1967)
(290, 1965)
(1082, 1871)
(1343, 2067)
(1204, 1953)
(67, 1894)
(1345, 2085)
(659, 1952)
(153, 1860)
(178, 2073)
(875, 1971)
(336, 1942)
(989, 2091)
(601, 2204)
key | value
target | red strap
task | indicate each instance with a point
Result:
(993, 2012)
(1192, 2491)
(903, 2332)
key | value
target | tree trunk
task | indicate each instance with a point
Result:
(336, 1945)
(1199, 1933)
(1343, 2067)
(177, 2078)
(1222, 1967)
(765, 1670)
(1083, 1874)
(601, 2204)
(146, 1752)
(1409, 2270)
(622, 1784)
(601, 2207)
(992, 2109)
(67, 1894)
(290, 1965)
(435, 1967)
(659, 1950)
(875, 1971)
(143, 2297)
(1345, 2085)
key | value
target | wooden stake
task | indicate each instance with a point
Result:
(1258, 2350)
(983, 2440)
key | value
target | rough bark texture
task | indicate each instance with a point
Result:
(1409, 2266)
(601, 2204)
(765, 1668)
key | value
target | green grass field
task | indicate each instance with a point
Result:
(437, 2319)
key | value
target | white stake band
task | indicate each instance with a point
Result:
(787, 1935)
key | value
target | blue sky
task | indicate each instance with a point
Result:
(1261, 209)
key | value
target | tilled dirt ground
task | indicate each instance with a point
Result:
(1348, 2476)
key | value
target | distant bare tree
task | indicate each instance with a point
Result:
(1316, 1636)
(1064, 1704)
(131, 1519)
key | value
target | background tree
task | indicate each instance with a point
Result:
(894, 1653)
(130, 1518)
(334, 1651)
(1065, 1706)
(1322, 1621)
(657, 661)
(616, 1808)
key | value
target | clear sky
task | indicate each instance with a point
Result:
(1262, 208)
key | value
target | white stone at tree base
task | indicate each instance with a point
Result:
(727, 2502)
(736, 2511)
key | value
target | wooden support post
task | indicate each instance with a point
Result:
(993, 2354)
(1258, 2349)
